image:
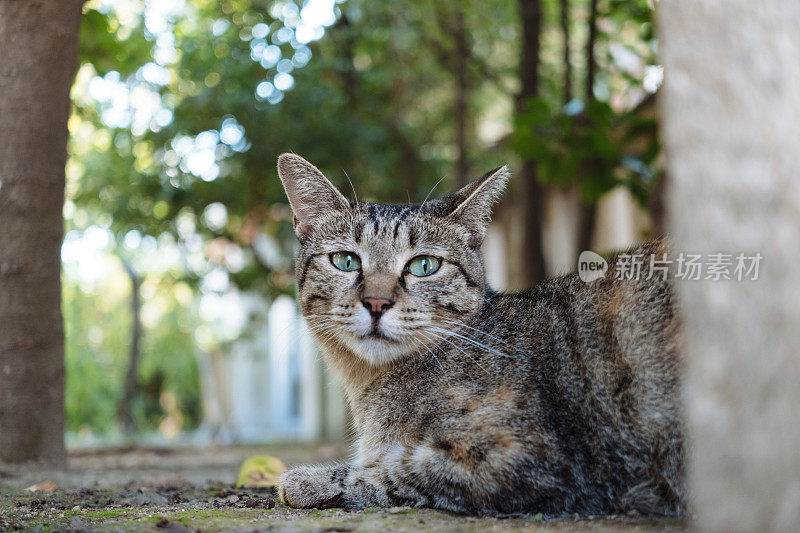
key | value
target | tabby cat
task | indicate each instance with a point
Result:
(561, 399)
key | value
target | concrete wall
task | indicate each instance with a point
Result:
(731, 125)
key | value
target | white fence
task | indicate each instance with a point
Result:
(271, 387)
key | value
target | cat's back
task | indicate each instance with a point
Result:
(624, 319)
(607, 369)
(618, 331)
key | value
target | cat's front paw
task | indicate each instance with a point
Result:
(311, 487)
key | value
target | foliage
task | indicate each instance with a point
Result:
(95, 360)
(611, 139)
(371, 100)
(598, 148)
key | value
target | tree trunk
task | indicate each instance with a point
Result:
(125, 415)
(461, 55)
(588, 222)
(533, 255)
(591, 64)
(589, 211)
(409, 164)
(564, 12)
(39, 43)
(349, 77)
(730, 111)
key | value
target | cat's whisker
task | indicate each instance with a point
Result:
(351, 185)
(285, 329)
(324, 331)
(329, 329)
(432, 353)
(472, 341)
(328, 337)
(460, 349)
(323, 320)
(474, 329)
(431, 191)
(320, 327)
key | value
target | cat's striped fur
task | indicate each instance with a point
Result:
(560, 399)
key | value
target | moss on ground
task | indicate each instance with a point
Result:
(200, 508)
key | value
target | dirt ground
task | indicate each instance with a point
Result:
(193, 490)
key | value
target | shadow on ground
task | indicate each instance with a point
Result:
(192, 489)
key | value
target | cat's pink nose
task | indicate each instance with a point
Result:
(377, 306)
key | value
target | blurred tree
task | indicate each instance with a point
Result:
(350, 108)
(97, 319)
(370, 101)
(531, 17)
(228, 87)
(129, 390)
(182, 108)
(564, 19)
(588, 211)
(39, 43)
(609, 136)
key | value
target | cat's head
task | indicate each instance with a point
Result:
(386, 281)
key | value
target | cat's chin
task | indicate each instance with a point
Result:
(377, 349)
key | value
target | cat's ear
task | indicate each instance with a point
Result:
(472, 204)
(310, 194)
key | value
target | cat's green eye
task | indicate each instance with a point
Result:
(347, 261)
(423, 265)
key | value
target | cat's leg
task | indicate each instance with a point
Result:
(443, 475)
(322, 487)
(353, 487)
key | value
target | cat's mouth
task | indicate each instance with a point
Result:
(375, 333)
(377, 344)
